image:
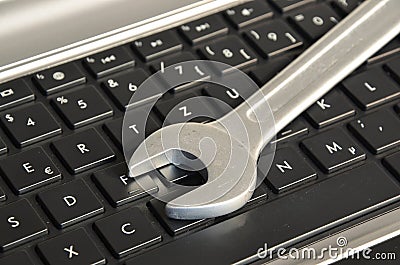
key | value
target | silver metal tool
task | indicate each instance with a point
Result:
(232, 167)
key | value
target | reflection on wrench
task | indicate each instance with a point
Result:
(373, 24)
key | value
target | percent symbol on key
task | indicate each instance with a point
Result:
(62, 100)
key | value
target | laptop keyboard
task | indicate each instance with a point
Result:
(64, 194)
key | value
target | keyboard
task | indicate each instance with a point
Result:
(65, 197)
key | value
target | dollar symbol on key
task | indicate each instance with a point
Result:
(9, 118)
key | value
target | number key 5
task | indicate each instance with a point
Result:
(82, 107)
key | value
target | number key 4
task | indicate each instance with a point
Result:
(29, 125)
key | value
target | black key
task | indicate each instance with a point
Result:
(3, 196)
(118, 188)
(367, 188)
(273, 38)
(174, 227)
(83, 151)
(204, 29)
(161, 64)
(157, 45)
(179, 176)
(289, 170)
(29, 170)
(82, 107)
(70, 203)
(17, 258)
(265, 72)
(15, 93)
(333, 150)
(286, 5)
(58, 78)
(346, 6)
(379, 131)
(389, 49)
(248, 13)
(224, 98)
(185, 109)
(230, 50)
(230, 96)
(29, 125)
(331, 108)
(393, 163)
(126, 232)
(19, 223)
(108, 62)
(74, 247)
(122, 88)
(294, 129)
(371, 88)
(315, 21)
(3, 147)
(393, 66)
(135, 131)
(180, 73)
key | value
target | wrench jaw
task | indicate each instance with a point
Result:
(149, 156)
(231, 169)
(192, 205)
(232, 178)
(176, 210)
(165, 146)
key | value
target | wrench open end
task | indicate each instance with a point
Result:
(225, 158)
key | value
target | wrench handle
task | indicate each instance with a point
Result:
(339, 52)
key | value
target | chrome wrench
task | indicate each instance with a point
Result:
(344, 48)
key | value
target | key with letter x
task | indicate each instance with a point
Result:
(71, 248)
